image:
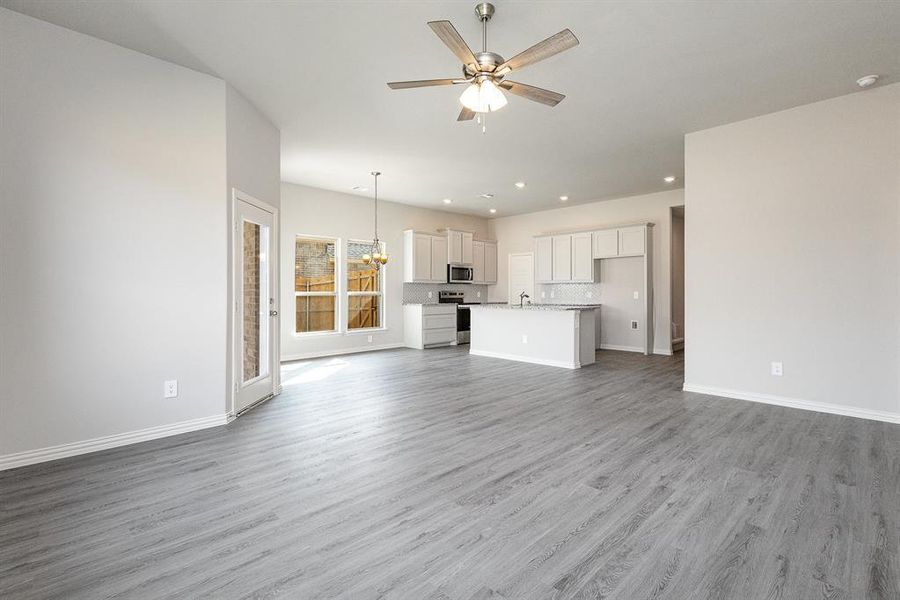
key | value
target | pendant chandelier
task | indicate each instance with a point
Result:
(376, 258)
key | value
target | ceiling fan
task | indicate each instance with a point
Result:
(484, 72)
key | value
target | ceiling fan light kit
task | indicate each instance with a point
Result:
(484, 72)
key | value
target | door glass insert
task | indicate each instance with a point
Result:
(255, 311)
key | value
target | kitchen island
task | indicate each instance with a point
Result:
(558, 335)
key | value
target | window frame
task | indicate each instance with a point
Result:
(336, 294)
(380, 294)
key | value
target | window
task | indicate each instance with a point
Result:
(314, 284)
(364, 286)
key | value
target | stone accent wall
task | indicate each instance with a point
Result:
(251, 300)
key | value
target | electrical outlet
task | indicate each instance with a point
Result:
(634, 325)
(370, 339)
(543, 294)
(170, 389)
(590, 294)
(636, 295)
(524, 339)
(431, 294)
(552, 294)
(478, 294)
(777, 369)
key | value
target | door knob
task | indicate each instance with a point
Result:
(273, 313)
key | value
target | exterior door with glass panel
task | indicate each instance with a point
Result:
(254, 305)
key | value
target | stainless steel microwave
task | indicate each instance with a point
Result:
(460, 274)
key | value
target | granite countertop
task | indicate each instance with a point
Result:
(538, 306)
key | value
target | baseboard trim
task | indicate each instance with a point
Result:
(31, 457)
(525, 359)
(639, 349)
(308, 355)
(833, 409)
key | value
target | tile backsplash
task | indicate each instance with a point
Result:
(417, 293)
(567, 293)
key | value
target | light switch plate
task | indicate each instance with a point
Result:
(524, 339)
(636, 295)
(431, 294)
(543, 294)
(777, 369)
(170, 389)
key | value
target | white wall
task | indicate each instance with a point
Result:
(312, 211)
(116, 169)
(113, 232)
(793, 255)
(515, 234)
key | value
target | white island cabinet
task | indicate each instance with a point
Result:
(545, 334)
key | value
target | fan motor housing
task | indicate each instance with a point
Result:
(487, 63)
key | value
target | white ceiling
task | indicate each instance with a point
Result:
(645, 74)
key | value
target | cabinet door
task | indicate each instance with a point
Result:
(543, 259)
(439, 260)
(631, 241)
(606, 243)
(421, 257)
(490, 263)
(562, 258)
(478, 262)
(582, 257)
(467, 242)
(454, 246)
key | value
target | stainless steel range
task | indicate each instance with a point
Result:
(463, 328)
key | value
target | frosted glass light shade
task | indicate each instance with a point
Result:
(483, 97)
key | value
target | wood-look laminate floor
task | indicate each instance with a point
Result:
(436, 475)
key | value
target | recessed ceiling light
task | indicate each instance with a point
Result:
(493, 211)
(867, 81)
(447, 201)
(359, 188)
(486, 195)
(520, 184)
(670, 179)
(563, 198)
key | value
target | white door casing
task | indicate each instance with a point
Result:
(255, 330)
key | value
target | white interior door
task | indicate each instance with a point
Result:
(521, 276)
(255, 308)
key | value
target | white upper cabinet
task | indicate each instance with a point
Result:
(582, 257)
(424, 257)
(606, 243)
(478, 262)
(562, 257)
(439, 259)
(454, 246)
(490, 262)
(622, 241)
(631, 241)
(459, 246)
(543, 259)
(468, 241)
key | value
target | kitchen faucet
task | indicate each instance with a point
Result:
(522, 297)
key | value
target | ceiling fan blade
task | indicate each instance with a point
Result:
(403, 85)
(554, 44)
(450, 36)
(533, 93)
(465, 114)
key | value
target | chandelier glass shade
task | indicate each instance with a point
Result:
(483, 97)
(375, 257)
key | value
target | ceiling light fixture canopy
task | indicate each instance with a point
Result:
(376, 258)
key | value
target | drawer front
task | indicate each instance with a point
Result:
(438, 336)
(439, 322)
(439, 309)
